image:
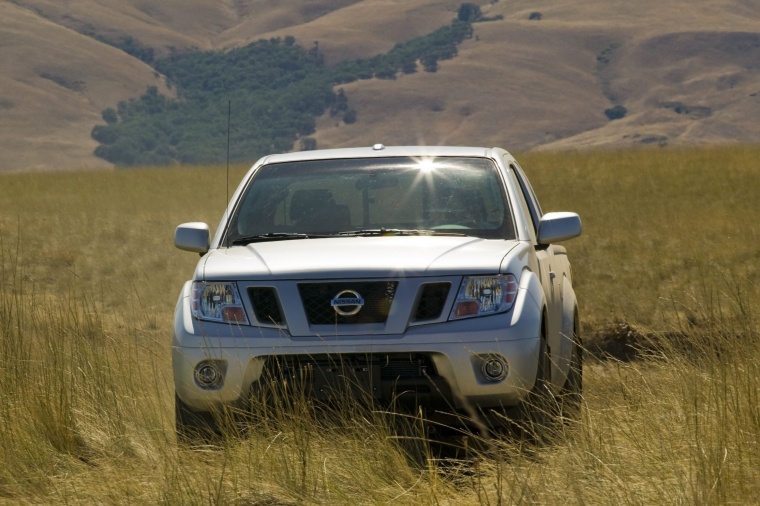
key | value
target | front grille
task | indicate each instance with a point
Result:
(431, 301)
(317, 297)
(402, 382)
(405, 366)
(265, 304)
(393, 366)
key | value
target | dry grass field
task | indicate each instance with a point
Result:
(687, 71)
(668, 263)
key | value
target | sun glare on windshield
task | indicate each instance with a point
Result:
(426, 164)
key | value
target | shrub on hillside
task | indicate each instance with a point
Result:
(605, 55)
(349, 117)
(110, 116)
(469, 12)
(308, 144)
(616, 112)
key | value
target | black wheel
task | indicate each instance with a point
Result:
(539, 409)
(572, 392)
(194, 428)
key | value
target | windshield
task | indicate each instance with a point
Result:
(373, 196)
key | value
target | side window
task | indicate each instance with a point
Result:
(529, 196)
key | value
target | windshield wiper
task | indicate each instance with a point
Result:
(284, 236)
(396, 231)
(380, 231)
(273, 236)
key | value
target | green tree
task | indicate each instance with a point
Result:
(110, 116)
(469, 12)
(308, 144)
(275, 88)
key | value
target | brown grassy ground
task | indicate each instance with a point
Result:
(89, 277)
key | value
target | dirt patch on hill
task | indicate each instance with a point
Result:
(618, 341)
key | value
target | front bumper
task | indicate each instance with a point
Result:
(456, 349)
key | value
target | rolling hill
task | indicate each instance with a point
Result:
(539, 76)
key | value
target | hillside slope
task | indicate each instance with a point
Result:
(53, 85)
(686, 71)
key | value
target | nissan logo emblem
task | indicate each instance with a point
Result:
(347, 303)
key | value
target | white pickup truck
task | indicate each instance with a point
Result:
(426, 277)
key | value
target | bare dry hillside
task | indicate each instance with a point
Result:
(687, 71)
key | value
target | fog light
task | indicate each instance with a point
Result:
(208, 375)
(494, 368)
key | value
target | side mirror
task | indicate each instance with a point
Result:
(192, 237)
(556, 227)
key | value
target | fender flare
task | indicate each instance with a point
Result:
(533, 318)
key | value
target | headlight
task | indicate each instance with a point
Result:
(485, 295)
(218, 302)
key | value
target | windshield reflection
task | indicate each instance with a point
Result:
(464, 196)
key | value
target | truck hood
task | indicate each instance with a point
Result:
(355, 257)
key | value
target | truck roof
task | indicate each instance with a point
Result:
(378, 151)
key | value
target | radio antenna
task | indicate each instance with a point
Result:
(227, 180)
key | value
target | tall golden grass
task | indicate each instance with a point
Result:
(89, 278)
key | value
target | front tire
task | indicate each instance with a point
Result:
(194, 428)
(539, 409)
(571, 395)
